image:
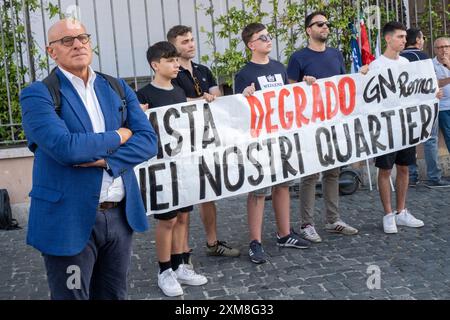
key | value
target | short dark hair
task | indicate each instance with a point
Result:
(411, 36)
(250, 30)
(392, 26)
(162, 49)
(176, 31)
(310, 16)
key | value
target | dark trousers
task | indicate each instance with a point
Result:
(99, 272)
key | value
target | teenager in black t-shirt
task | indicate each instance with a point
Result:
(172, 226)
(195, 79)
(198, 82)
(263, 73)
(156, 96)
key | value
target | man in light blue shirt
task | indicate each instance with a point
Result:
(442, 67)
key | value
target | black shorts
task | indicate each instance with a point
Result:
(172, 214)
(405, 157)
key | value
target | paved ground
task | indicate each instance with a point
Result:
(414, 264)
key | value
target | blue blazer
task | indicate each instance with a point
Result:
(64, 198)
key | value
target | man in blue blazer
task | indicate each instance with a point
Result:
(85, 200)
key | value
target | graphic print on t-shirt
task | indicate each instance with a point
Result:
(271, 81)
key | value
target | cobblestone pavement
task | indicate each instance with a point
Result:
(414, 264)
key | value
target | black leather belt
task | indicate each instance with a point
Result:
(108, 205)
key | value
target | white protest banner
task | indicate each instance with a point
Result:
(235, 145)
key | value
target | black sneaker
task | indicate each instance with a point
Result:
(256, 252)
(292, 240)
(222, 249)
(438, 184)
(413, 183)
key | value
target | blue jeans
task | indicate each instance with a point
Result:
(444, 124)
(430, 148)
(102, 266)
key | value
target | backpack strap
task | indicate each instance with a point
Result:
(52, 83)
(417, 56)
(117, 87)
(115, 84)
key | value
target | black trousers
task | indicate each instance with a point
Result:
(100, 271)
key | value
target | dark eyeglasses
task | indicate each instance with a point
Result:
(68, 41)
(197, 87)
(320, 24)
(443, 47)
(263, 38)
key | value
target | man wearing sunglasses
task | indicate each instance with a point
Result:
(85, 200)
(318, 61)
(442, 67)
(198, 83)
(259, 73)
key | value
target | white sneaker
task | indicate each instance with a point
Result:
(389, 224)
(167, 282)
(405, 218)
(309, 233)
(187, 275)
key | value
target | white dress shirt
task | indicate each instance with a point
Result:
(112, 189)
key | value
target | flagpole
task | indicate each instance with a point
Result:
(445, 23)
(387, 11)
(401, 12)
(376, 48)
(358, 26)
(369, 176)
(396, 10)
(368, 26)
(379, 29)
(415, 11)
(408, 21)
(431, 29)
(358, 29)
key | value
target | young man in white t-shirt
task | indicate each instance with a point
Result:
(394, 34)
